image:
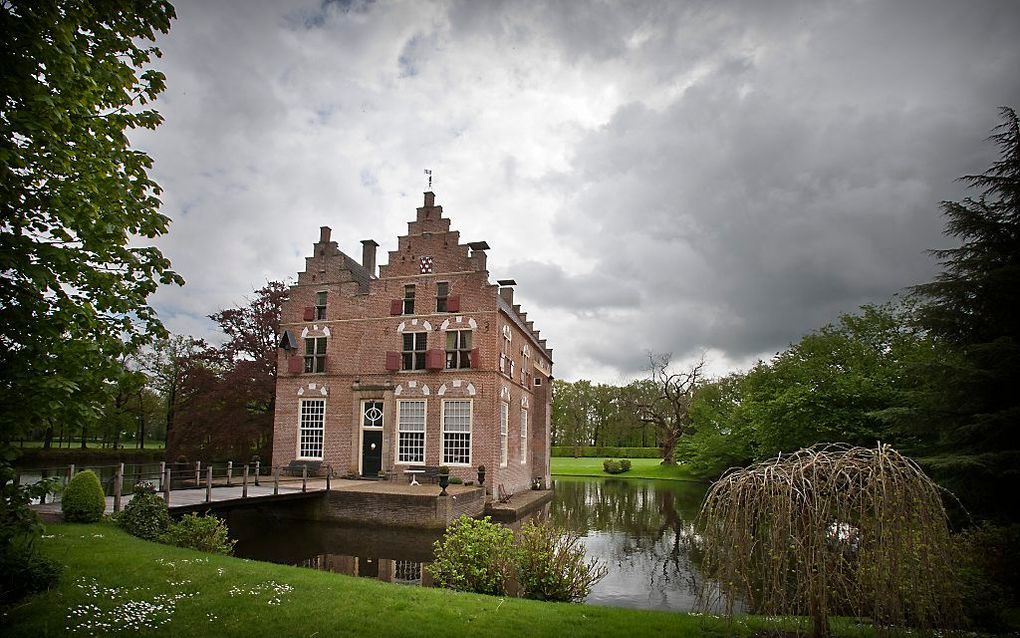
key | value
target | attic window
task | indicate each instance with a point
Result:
(409, 299)
(320, 305)
(442, 292)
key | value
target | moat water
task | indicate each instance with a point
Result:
(642, 530)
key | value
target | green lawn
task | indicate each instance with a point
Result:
(114, 581)
(639, 468)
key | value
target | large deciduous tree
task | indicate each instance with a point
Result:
(225, 402)
(973, 402)
(665, 403)
(76, 202)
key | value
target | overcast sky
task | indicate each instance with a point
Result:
(684, 177)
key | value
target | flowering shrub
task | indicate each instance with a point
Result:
(83, 500)
(204, 533)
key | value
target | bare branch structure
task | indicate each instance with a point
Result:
(668, 408)
(831, 530)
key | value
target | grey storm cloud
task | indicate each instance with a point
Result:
(686, 177)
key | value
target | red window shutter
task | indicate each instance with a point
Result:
(309, 313)
(296, 365)
(453, 303)
(434, 359)
(396, 306)
(476, 360)
(392, 361)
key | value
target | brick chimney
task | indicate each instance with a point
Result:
(324, 232)
(368, 247)
(430, 199)
(506, 291)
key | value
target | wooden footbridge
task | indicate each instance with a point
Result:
(223, 486)
(196, 487)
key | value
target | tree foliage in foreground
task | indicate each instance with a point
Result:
(74, 197)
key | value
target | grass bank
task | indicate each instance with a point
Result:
(115, 583)
(639, 468)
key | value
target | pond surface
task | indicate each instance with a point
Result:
(642, 530)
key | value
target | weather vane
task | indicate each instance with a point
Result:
(429, 173)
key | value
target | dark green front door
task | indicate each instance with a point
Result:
(371, 452)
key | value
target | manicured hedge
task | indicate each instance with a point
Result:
(83, 500)
(622, 452)
(614, 466)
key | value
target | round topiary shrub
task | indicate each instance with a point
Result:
(145, 515)
(83, 500)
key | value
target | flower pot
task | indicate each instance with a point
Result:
(444, 482)
(481, 477)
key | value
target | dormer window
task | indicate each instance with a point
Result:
(409, 299)
(320, 305)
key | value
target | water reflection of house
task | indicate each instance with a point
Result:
(426, 363)
(403, 572)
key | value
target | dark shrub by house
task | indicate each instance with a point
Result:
(204, 533)
(146, 515)
(474, 556)
(83, 500)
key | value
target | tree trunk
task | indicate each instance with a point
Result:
(668, 448)
(83, 434)
(48, 437)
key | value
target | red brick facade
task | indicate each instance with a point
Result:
(372, 336)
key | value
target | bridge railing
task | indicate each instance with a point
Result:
(118, 480)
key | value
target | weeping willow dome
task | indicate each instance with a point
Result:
(831, 530)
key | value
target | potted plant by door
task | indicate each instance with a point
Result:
(481, 475)
(444, 478)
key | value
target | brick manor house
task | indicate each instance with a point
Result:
(424, 364)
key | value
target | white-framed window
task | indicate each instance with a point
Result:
(315, 354)
(457, 432)
(506, 363)
(458, 348)
(311, 428)
(504, 426)
(524, 436)
(413, 355)
(410, 431)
